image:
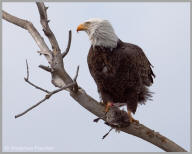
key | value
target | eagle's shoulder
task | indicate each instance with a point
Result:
(134, 56)
(128, 53)
(129, 49)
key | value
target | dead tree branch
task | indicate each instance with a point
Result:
(27, 80)
(27, 70)
(61, 79)
(77, 72)
(45, 98)
(59, 76)
(68, 45)
(46, 68)
(49, 94)
(32, 30)
(46, 29)
(37, 87)
(21, 114)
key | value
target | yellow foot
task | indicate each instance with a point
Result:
(107, 107)
(131, 118)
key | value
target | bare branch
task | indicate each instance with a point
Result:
(21, 114)
(37, 87)
(76, 75)
(27, 70)
(65, 87)
(17, 21)
(46, 68)
(44, 99)
(59, 78)
(75, 87)
(27, 80)
(32, 30)
(68, 45)
(135, 129)
(153, 137)
(44, 22)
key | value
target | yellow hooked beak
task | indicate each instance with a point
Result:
(81, 27)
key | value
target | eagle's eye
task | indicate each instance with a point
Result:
(87, 23)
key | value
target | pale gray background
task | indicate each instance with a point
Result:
(60, 124)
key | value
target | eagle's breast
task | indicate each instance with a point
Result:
(100, 61)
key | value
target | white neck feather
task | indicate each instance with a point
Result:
(103, 35)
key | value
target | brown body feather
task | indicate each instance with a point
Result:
(122, 74)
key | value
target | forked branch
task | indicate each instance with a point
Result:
(27, 80)
(46, 29)
(49, 94)
(44, 99)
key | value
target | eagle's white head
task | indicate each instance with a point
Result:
(100, 32)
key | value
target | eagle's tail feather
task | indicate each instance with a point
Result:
(144, 95)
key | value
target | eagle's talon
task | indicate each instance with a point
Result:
(107, 107)
(131, 119)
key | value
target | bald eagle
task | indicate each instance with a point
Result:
(121, 70)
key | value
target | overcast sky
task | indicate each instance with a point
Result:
(61, 124)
